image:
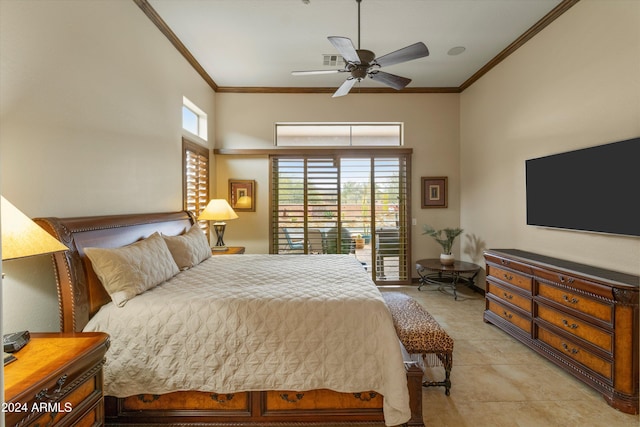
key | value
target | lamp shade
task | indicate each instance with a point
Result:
(218, 210)
(21, 237)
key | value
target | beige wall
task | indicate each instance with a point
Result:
(90, 124)
(574, 85)
(90, 118)
(430, 129)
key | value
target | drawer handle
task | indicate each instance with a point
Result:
(507, 296)
(297, 398)
(569, 350)
(508, 277)
(44, 393)
(570, 326)
(507, 315)
(505, 262)
(365, 397)
(564, 279)
(573, 300)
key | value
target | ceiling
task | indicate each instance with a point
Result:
(248, 45)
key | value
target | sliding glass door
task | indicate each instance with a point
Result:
(344, 204)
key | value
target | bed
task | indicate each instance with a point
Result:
(266, 339)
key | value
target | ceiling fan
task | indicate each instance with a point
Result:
(360, 63)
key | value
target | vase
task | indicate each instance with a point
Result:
(447, 259)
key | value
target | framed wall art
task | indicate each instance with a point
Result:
(242, 195)
(434, 192)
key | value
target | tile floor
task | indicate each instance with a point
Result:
(496, 381)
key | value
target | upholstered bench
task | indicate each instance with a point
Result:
(421, 334)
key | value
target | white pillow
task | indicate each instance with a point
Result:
(189, 249)
(130, 270)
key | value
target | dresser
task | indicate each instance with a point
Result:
(582, 318)
(56, 381)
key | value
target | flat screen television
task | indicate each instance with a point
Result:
(593, 189)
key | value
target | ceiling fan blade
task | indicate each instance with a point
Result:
(311, 72)
(409, 53)
(345, 47)
(345, 87)
(391, 80)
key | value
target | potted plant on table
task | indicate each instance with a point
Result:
(445, 238)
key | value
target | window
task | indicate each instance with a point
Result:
(338, 134)
(195, 183)
(344, 203)
(194, 120)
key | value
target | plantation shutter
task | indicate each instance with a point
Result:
(195, 179)
(344, 203)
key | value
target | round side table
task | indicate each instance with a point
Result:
(432, 272)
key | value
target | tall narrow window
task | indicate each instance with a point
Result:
(195, 183)
(345, 204)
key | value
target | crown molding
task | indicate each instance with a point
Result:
(173, 38)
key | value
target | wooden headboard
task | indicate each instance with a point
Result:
(80, 293)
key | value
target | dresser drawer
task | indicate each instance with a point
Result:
(188, 401)
(572, 282)
(507, 263)
(516, 279)
(510, 296)
(320, 400)
(587, 332)
(509, 315)
(575, 352)
(583, 304)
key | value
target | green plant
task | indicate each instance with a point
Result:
(445, 237)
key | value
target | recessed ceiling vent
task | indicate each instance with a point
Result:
(332, 60)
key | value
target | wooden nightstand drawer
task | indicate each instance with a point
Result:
(85, 395)
(94, 417)
(56, 380)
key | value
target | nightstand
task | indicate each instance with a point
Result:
(57, 380)
(231, 250)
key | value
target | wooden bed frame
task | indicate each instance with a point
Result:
(80, 296)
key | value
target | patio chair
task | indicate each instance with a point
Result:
(294, 245)
(387, 245)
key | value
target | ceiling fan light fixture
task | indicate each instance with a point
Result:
(360, 63)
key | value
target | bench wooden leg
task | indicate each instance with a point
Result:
(447, 363)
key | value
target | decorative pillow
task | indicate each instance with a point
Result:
(189, 249)
(130, 270)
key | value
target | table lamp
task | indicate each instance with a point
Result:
(23, 238)
(218, 210)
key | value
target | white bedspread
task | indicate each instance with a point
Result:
(258, 322)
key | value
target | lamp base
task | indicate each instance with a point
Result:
(219, 228)
(219, 248)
